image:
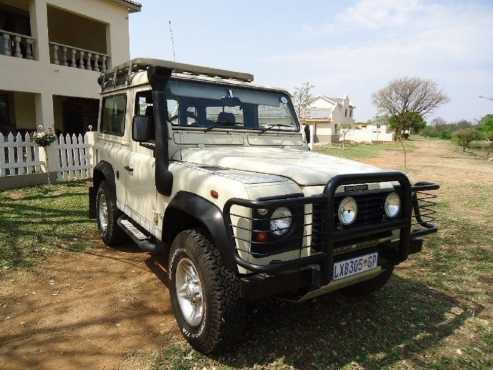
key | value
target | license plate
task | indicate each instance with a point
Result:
(355, 266)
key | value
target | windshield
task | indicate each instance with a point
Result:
(197, 104)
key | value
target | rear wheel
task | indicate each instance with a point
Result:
(367, 287)
(107, 214)
(204, 293)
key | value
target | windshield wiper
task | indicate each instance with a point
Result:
(225, 125)
(265, 129)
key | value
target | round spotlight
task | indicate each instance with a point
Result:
(348, 210)
(280, 221)
(392, 205)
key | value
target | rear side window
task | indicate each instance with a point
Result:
(113, 115)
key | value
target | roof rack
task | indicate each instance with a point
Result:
(122, 74)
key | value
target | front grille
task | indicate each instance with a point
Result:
(370, 209)
(370, 212)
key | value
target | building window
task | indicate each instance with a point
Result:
(113, 115)
(345, 112)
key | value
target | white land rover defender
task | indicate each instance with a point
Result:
(212, 171)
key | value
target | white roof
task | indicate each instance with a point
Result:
(333, 101)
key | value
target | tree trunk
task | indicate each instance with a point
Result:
(403, 152)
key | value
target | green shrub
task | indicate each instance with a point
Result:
(439, 132)
(465, 136)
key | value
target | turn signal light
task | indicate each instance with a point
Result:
(262, 236)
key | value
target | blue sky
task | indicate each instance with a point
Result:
(343, 47)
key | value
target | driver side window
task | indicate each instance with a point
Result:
(191, 116)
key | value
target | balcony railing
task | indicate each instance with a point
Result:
(79, 58)
(16, 45)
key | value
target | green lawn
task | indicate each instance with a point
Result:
(436, 312)
(37, 221)
(362, 151)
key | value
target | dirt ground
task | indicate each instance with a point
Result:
(84, 311)
(89, 310)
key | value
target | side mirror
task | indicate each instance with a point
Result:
(142, 129)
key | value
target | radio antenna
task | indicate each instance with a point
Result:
(172, 41)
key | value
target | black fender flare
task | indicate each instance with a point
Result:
(208, 215)
(107, 173)
(102, 171)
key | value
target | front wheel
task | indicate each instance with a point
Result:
(205, 294)
(367, 287)
(107, 214)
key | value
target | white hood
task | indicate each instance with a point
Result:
(303, 167)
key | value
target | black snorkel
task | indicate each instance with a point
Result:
(158, 78)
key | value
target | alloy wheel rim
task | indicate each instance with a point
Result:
(189, 292)
(103, 212)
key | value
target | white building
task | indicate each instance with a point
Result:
(368, 133)
(51, 54)
(331, 120)
(325, 117)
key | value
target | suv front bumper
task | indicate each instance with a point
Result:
(315, 270)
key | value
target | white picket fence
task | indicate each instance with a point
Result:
(19, 155)
(74, 158)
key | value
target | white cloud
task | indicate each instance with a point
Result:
(450, 44)
(381, 13)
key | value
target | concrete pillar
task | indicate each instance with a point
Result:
(90, 139)
(49, 158)
(39, 27)
(44, 110)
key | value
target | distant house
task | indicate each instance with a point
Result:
(325, 117)
(331, 120)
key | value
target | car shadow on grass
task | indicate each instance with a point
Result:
(396, 323)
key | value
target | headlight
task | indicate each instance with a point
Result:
(348, 210)
(392, 205)
(281, 221)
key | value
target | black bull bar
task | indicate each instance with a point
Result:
(416, 219)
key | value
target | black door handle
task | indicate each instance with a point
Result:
(129, 169)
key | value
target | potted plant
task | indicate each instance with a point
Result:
(44, 138)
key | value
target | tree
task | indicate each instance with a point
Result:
(404, 124)
(302, 99)
(486, 128)
(463, 123)
(344, 129)
(437, 121)
(407, 123)
(465, 136)
(379, 120)
(408, 95)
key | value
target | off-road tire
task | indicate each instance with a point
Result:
(368, 287)
(113, 235)
(225, 314)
